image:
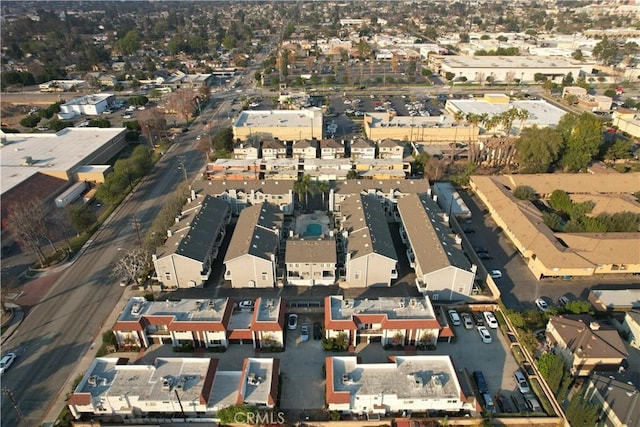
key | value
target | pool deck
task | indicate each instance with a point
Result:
(302, 221)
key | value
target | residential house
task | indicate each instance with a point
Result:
(404, 384)
(241, 194)
(311, 262)
(281, 169)
(388, 192)
(273, 149)
(327, 169)
(246, 150)
(233, 170)
(182, 387)
(434, 250)
(331, 149)
(390, 149)
(363, 149)
(390, 321)
(251, 258)
(585, 344)
(370, 255)
(617, 394)
(381, 168)
(305, 149)
(193, 242)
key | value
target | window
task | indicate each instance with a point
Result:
(356, 275)
(167, 276)
(435, 297)
(265, 276)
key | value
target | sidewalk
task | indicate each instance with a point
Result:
(17, 314)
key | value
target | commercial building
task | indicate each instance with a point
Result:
(585, 344)
(503, 69)
(200, 323)
(370, 255)
(417, 129)
(552, 254)
(193, 242)
(389, 321)
(407, 383)
(443, 270)
(179, 386)
(251, 258)
(286, 125)
(89, 105)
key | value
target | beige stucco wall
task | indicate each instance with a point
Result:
(375, 270)
(181, 271)
(249, 268)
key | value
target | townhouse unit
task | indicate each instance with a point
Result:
(311, 262)
(405, 383)
(201, 323)
(390, 321)
(193, 242)
(370, 257)
(305, 149)
(327, 169)
(362, 148)
(390, 149)
(281, 169)
(631, 326)
(273, 148)
(331, 149)
(434, 250)
(185, 387)
(240, 194)
(388, 192)
(381, 168)
(585, 344)
(248, 149)
(617, 394)
(251, 258)
(233, 170)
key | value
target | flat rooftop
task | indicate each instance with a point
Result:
(409, 377)
(382, 120)
(225, 389)
(279, 118)
(89, 99)
(398, 308)
(513, 62)
(49, 152)
(146, 381)
(257, 387)
(186, 310)
(240, 319)
(541, 113)
(269, 309)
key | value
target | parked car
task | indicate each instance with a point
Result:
(467, 320)
(455, 318)
(6, 361)
(484, 334)
(491, 320)
(523, 386)
(304, 332)
(484, 255)
(317, 331)
(488, 403)
(495, 274)
(479, 319)
(533, 403)
(478, 377)
(293, 322)
(246, 304)
(520, 405)
(541, 304)
(503, 404)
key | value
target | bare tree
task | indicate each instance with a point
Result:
(130, 265)
(26, 227)
(183, 103)
(509, 77)
(152, 123)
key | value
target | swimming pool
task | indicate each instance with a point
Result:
(313, 230)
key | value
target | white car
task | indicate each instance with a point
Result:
(246, 304)
(495, 274)
(484, 334)
(6, 361)
(541, 304)
(455, 318)
(490, 319)
(523, 386)
(293, 322)
(304, 332)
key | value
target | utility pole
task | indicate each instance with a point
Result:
(180, 403)
(135, 222)
(9, 394)
(184, 170)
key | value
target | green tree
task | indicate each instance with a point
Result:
(81, 217)
(552, 220)
(303, 187)
(99, 123)
(605, 51)
(30, 121)
(582, 413)
(560, 201)
(577, 55)
(579, 307)
(621, 149)
(231, 414)
(582, 136)
(524, 192)
(552, 368)
(568, 79)
(620, 222)
(538, 149)
(223, 140)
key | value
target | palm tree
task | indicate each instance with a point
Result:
(304, 187)
(322, 187)
(523, 115)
